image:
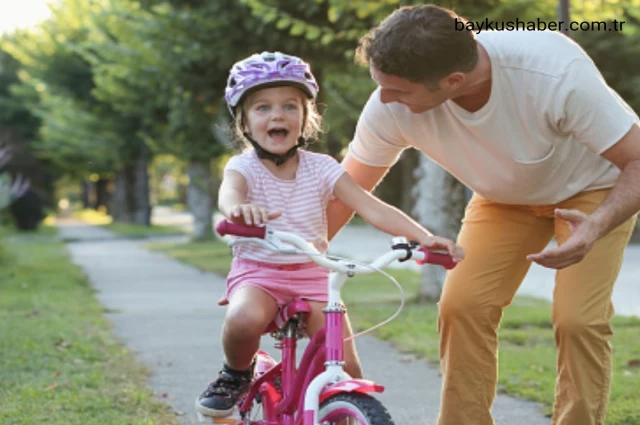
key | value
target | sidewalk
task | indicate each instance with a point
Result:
(166, 312)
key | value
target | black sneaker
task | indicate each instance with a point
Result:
(222, 395)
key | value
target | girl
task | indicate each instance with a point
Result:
(272, 99)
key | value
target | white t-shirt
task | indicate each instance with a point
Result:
(537, 140)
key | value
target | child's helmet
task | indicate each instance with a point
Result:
(268, 70)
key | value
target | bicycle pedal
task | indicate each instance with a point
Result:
(232, 419)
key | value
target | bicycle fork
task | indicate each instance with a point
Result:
(334, 343)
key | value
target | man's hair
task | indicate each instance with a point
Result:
(422, 44)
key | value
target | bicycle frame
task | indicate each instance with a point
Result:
(321, 372)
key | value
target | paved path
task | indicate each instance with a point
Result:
(166, 313)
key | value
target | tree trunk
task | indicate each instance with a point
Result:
(440, 204)
(130, 202)
(142, 204)
(199, 199)
(119, 204)
(395, 189)
(102, 194)
(410, 160)
(182, 188)
(85, 191)
(216, 181)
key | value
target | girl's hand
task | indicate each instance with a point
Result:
(437, 243)
(252, 215)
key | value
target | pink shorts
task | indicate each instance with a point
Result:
(284, 282)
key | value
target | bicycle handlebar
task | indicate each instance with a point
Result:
(421, 255)
(226, 227)
(430, 257)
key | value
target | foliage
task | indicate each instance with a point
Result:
(16, 120)
(102, 78)
(617, 55)
(78, 133)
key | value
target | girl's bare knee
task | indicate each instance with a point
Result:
(249, 315)
(247, 324)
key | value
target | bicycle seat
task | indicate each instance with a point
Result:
(287, 312)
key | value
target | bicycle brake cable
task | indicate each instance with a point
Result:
(379, 270)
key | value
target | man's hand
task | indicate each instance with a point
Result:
(584, 233)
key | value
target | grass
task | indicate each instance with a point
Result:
(527, 350)
(100, 218)
(213, 256)
(61, 363)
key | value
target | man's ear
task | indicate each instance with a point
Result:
(453, 81)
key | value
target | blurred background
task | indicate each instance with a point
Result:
(114, 108)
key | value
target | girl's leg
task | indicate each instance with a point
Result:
(249, 313)
(315, 322)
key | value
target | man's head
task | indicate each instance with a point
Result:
(418, 56)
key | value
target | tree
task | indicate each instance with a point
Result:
(170, 60)
(80, 134)
(18, 128)
(440, 203)
(10, 189)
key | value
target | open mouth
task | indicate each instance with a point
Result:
(278, 133)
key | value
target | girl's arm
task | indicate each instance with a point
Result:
(390, 219)
(232, 199)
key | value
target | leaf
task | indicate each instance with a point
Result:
(270, 17)
(283, 23)
(313, 33)
(364, 10)
(327, 38)
(297, 29)
(334, 13)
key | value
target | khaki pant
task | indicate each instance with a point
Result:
(497, 238)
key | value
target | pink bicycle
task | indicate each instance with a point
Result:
(318, 391)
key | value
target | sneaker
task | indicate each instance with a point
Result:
(223, 394)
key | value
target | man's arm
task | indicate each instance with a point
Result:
(621, 204)
(366, 177)
(624, 199)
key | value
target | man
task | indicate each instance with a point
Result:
(527, 122)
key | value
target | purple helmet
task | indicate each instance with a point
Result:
(268, 69)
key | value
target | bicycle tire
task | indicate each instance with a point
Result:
(367, 409)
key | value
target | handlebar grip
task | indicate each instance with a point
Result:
(444, 260)
(225, 227)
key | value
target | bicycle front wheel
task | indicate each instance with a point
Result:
(353, 409)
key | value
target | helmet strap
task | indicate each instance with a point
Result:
(277, 159)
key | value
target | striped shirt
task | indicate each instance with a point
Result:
(302, 201)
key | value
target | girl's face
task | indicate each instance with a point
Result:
(274, 117)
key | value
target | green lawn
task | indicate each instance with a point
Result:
(61, 363)
(527, 351)
(128, 229)
(138, 231)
